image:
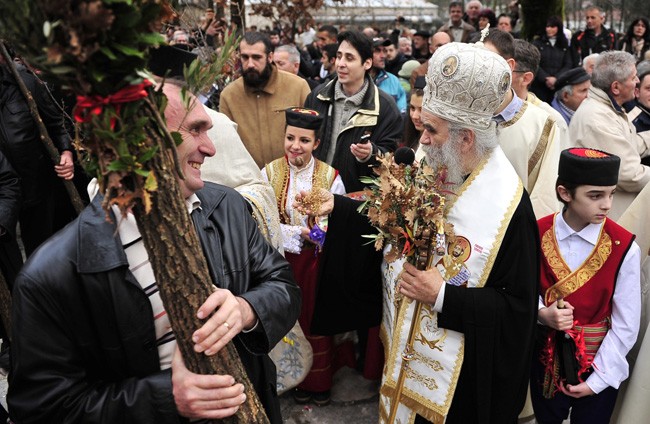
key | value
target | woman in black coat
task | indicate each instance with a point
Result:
(555, 58)
(636, 40)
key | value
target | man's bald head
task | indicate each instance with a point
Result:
(438, 39)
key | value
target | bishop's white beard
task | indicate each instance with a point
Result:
(448, 155)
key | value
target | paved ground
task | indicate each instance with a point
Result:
(354, 400)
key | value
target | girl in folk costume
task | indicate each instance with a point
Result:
(590, 295)
(299, 171)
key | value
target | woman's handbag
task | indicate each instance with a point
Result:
(293, 358)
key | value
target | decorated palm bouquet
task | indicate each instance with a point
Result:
(406, 204)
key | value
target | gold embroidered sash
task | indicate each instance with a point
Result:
(568, 282)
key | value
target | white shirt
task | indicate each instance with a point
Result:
(141, 269)
(610, 365)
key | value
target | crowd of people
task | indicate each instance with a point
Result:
(535, 307)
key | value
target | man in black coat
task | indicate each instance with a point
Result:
(360, 120)
(20, 142)
(88, 345)
(394, 58)
(10, 258)
(593, 39)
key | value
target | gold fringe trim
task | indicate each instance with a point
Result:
(415, 406)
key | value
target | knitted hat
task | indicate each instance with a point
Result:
(466, 83)
(407, 68)
(303, 118)
(586, 166)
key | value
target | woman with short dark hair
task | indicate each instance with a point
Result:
(555, 58)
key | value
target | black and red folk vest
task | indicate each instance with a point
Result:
(589, 288)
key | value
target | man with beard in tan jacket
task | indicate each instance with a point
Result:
(257, 101)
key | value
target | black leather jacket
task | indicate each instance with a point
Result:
(19, 135)
(84, 347)
(9, 198)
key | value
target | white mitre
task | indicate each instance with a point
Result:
(466, 83)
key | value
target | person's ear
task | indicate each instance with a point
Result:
(564, 96)
(528, 78)
(269, 58)
(511, 63)
(367, 64)
(564, 193)
(316, 143)
(615, 88)
(468, 139)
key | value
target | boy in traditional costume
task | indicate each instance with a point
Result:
(590, 291)
(298, 170)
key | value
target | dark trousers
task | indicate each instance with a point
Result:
(593, 409)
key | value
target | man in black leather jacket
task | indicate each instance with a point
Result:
(86, 347)
(10, 258)
(20, 142)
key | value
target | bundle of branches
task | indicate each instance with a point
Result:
(95, 48)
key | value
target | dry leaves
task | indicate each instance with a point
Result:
(401, 202)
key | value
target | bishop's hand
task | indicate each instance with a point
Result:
(422, 286)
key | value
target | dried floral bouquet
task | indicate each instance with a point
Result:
(406, 204)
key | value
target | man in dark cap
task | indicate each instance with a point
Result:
(572, 88)
(421, 51)
(590, 295)
(386, 81)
